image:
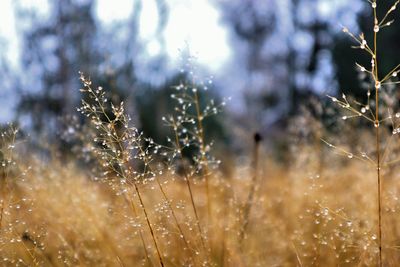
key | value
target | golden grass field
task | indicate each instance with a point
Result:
(301, 215)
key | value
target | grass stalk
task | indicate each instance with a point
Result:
(143, 209)
(250, 197)
(377, 143)
(2, 201)
(167, 200)
(115, 141)
(189, 187)
(133, 208)
(149, 225)
(204, 161)
(182, 235)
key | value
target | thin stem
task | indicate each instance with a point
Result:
(2, 200)
(391, 73)
(187, 179)
(132, 205)
(149, 224)
(250, 197)
(377, 133)
(143, 207)
(146, 217)
(202, 151)
(168, 202)
(111, 123)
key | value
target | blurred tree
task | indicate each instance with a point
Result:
(304, 63)
(253, 25)
(284, 51)
(54, 50)
(70, 39)
(7, 78)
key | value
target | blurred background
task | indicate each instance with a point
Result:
(270, 56)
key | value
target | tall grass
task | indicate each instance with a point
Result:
(64, 218)
(364, 111)
(127, 157)
(117, 140)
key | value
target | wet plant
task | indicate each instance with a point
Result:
(374, 110)
(188, 137)
(119, 147)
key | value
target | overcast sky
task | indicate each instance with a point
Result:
(206, 37)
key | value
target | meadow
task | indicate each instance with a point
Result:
(308, 214)
(122, 199)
